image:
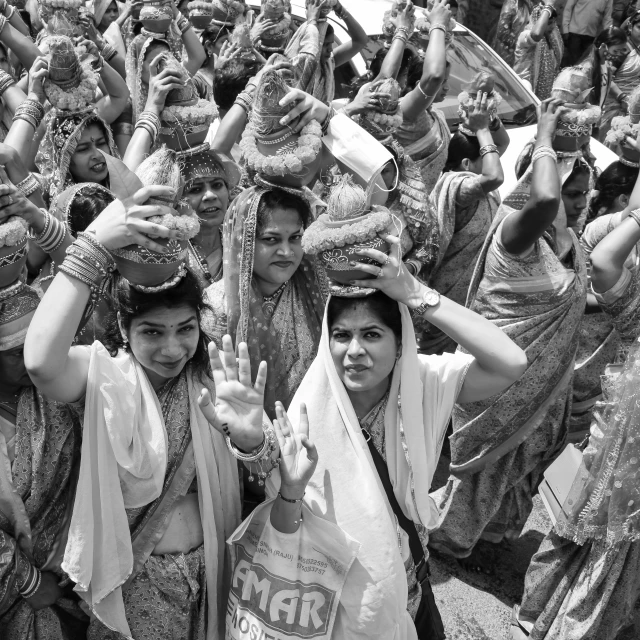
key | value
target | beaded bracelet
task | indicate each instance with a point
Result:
(290, 500)
(29, 185)
(31, 111)
(487, 149)
(52, 235)
(6, 80)
(635, 214)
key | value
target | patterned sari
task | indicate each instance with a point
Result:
(514, 17)
(283, 329)
(426, 142)
(42, 479)
(467, 214)
(539, 62)
(501, 446)
(589, 591)
(626, 79)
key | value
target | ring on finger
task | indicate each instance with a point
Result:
(380, 272)
(387, 260)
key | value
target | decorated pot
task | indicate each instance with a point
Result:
(149, 268)
(227, 11)
(178, 139)
(200, 14)
(12, 261)
(156, 16)
(336, 260)
(278, 144)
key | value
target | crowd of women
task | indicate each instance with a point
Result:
(238, 321)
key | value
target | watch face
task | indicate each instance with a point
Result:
(431, 298)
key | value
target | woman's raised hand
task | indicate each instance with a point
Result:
(124, 222)
(314, 7)
(160, 83)
(390, 275)
(367, 98)
(548, 113)
(305, 108)
(12, 201)
(38, 72)
(238, 408)
(298, 455)
(478, 116)
(405, 17)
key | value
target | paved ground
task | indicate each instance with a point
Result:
(478, 607)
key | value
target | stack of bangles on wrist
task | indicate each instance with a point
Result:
(183, 24)
(90, 262)
(261, 456)
(551, 10)
(543, 151)
(52, 235)
(31, 584)
(402, 33)
(488, 148)
(245, 100)
(30, 111)
(29, 185)
(439, 26)
(108, 51)
(6, 79)
(150, 122)
(635, 214)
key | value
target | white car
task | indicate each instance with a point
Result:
(468, 54)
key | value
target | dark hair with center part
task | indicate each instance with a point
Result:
(86, 206)
(279, 199)
(379, 304)
(228, 82)
(131, 303)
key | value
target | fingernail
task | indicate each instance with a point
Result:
(285, 119)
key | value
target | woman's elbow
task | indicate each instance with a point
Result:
(518, 364)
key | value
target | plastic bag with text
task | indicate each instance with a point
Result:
(286, 585)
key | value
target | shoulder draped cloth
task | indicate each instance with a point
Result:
(123, 465)
(346, 488)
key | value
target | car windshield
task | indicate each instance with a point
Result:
(468, 56)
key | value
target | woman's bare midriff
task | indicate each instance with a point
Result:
(184, 531)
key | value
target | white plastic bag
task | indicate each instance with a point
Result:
(286, 585)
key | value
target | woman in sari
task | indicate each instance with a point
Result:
(598, 338)
(467, 198)
(514, 18)
(39, 459)
(272, 295)
(584, 581)
(424, 132)
(539, 50)
(530, 280)
(626, 64)
(369, 385)
(167, 489)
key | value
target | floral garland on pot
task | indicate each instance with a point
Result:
(308, 146)
(13, 231)
(63, 4)
(191, 115)
(385, 121)
(187, 223)
(587, 116)
(621, 127)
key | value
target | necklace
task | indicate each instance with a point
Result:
(269, 302)
(202, 261)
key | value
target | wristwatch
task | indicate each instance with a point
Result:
(430, 298)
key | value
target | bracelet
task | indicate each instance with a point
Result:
(109, 51)
(183, 24)
(290, 500)
(6, 80)
(89, 262)
(623, 97)
(439, 26)
(245, 100)
(426, 95)
(30, 111)
(261, 455)
(31, 584)
(467, 132)
(487, 149)
(12, 10)
(52, 235)
(543, 151)
(150, 122)
(398, 36)
(29, 185)
(325, 125)
(635, 214)
(495, 124)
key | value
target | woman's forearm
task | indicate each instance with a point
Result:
(138, 148)
(24, 48)
(17, 22)
(392, 61)
(540, 27)
(610, 254)
(492, 175)
(230, 128)
(114, 103)
(287, 516)
(195, 51)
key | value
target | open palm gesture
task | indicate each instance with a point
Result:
(298, 455)
(238, 405)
